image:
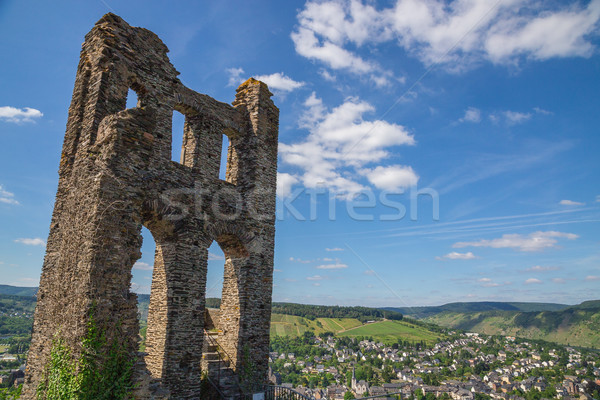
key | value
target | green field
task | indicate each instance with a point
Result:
(385, 331)
(391, 331)
(290, 325)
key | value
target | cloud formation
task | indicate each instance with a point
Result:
(535, 241)
(326, 27)
(392, 178)
(472, 114)
(285, 182)
(533, 281)
(539, 268)
(7, 197)
(279, 81)
(19, 115)
(340, 144)
(458, 35)
(458, 256)
(570, 203)
(31, 241)
(235, 76)
(143, 266)
(337, 265)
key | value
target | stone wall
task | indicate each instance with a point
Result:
(116, 175)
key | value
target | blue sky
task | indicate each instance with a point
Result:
(429, 151)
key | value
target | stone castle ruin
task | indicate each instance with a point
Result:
(115, 176)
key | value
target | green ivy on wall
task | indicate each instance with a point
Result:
(103, 370)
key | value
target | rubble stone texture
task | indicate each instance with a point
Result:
(116, 175)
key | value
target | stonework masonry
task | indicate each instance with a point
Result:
(116, 175)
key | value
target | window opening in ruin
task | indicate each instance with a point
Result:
(224, 156)
(132, 99)
(214, 276)
(141, 282)
(177, 136)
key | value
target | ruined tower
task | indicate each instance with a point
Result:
(116, 175)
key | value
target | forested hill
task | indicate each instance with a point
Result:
(576, 325)
(18, 291)
(468, 307)
(311, 312)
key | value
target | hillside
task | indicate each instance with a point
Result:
(385, 331)
(468, 307)
(577, 325)
(18, 291)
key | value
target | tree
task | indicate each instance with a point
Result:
(348, 395)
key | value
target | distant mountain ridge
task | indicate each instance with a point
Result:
(467, 307)
(18, 290)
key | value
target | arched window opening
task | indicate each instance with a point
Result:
(132, 99)
(141, 283)
(177, 136)
(224, 157)
(214, 277)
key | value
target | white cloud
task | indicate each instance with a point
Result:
(592, 278)
(559, 280)
(279, 81)
(334, 249)
(457, 34)
(316, 284)
(340, 143)
(539, 110)
(19, 115)
(556, 33)
(314, 278)
(235, 76)
(458, 256)
(31, 242)
(7, 197)
(327, 75)
(299, 260)
(325, 28)
(539, 268)
(515, 117)
(214, 257)
(393, 177)
(337, 265)
(285, 182)
(489, 283)
(570, 203)
(535, 241)
(532, 281)
(143, 266)
(598, 199)
(472, 114)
